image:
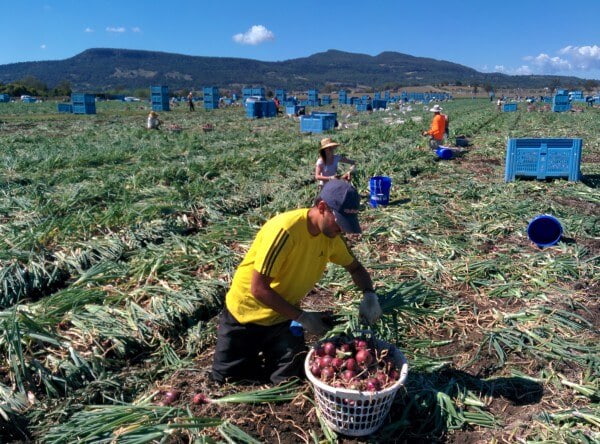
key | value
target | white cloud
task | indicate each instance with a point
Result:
(43, 46)
(88, 30)
(544, 64)
(115, 29)
(523, 70)
(255, 35)
(584, 58)
(499, 68)
(136, 29)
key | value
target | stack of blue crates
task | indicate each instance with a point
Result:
(318, 122)
(281, 95)
(560, 103)
(509, 107)
(342, 97)
(326, 100)
(4, 98)
(83, 103)
(379, 104)
(65, 108)
(364, 104)
(543, 158)
(386, 95)
(160, 98)
(256, 92)
(211, 97)
(377, 95)
(313, 98)
(257, 109)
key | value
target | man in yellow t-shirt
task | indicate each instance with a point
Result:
(286, 260)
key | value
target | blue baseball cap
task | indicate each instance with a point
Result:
(344, 201)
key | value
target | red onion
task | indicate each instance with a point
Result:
(348, 375)
(319, 351)
(363, 357)
(200, 398)
(394, 374)
(360, 344)
(351, 364)
(325, 361)
(329, 348)
(170, 397)
(337, 363)
(327, 373)
(315, 369)
(373, 385)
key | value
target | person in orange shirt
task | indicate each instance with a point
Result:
(437, 129)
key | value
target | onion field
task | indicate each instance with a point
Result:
(118, 243)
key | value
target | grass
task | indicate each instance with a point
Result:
(117, 245)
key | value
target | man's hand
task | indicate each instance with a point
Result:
(313, 322)
(369, 308)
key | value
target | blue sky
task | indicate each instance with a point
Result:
(514, 37)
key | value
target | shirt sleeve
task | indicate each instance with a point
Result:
(275, 245)
(340, 253)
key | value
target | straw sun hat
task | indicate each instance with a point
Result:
(436, 109)
(328, 143)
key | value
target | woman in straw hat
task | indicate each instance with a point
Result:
(153, 120)
(326, 167)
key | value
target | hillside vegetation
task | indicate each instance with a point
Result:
(103, 69)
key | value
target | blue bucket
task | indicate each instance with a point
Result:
(379, 187)
(544, 230)
(444, 153)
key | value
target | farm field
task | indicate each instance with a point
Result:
(117, 245)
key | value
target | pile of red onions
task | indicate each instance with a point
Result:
(354, 363)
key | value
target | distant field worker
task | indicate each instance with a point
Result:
(438, 127)
(327, 164)
(499, 105)
(153, 121)
(190, 99)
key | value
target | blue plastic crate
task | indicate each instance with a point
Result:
(316, 124)
(64, 108)
(159, 89)
(4, 98)
(86, 108)
(292, 110)
(364, 107)
(210, 91)
(161, 107)
(560, 100)
(561, 108)
(562, 92)
(211, 105)
(543, 158)
(379, 104)
(509, 107)
(80, 98)
(258, 92)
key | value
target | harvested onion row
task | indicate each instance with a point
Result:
(354, 364)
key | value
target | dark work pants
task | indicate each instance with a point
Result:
(256, 352)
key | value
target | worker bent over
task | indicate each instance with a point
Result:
(286, 259)
(438, 129)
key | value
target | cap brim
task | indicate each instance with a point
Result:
(347, 222)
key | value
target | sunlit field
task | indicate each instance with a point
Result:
(118, 243)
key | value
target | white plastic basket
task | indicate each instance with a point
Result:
(352, 412)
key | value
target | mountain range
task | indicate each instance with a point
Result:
(104, 69)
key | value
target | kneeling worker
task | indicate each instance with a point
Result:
(287, 258)
(437, 131)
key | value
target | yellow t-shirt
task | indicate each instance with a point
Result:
(284, 250)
